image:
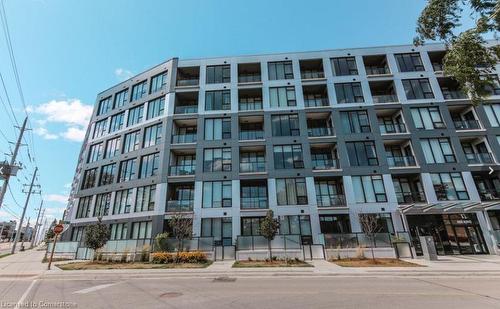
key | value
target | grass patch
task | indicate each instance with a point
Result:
(374, 263)
(46, 259)
(4, 255)
(272, 263)
(137, 265)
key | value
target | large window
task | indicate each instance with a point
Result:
(335, 224)
(493, 114)
(138, 91)
(149, 165)
(77, 233)
(141, 230)
(121, 98)
(105, 105)
(282, 96)
(220, 229)
(437, 150)
(107, 174)
(250, 226)
(217, 128)
(127, 170)
(416, 89)
(285, 125)
(329, 193)
(84, 204)
(116, 122)
(217, 160)
(344, 66)
(369, 189)
(217, 74)
(100, 128)
(95, 152)
(118, 231)
(123, 202)
(288, 156)
(280, 70)
(158, 82)
(291, 191)
(355, 122)
(218, 100)
(427, 118)
(295, 225)
(131, 142)
(253, 195)
(152, 135)
(349, 93)
(89, 178)
(410, 62)
(449, 186)
(135, 115)
(362, 153)
(217, 194)
(112, 148)
(251, 162)
(102, 204)
(145, 200)
(156, 108)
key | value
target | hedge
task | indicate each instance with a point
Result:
(182, 257)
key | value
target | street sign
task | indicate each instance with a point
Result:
(58, 228)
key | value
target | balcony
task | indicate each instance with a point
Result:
(188, 76)
(249, 73)
(392, 128)
(311, 69)
(320, 131)
(453, 94)
(316, 102)
(401, 161)
(467, 124)
(251, 127)
(479, 158)
(331, 200)
(187, 109)
(384, 98)
(383, 92)
(251, 135)
(315, 96)
(451, 89)
(410, 197)
(436, 58)
(184, 138)
(376, 65)
(489, 194)
(180, 205)
(325, 164)
(186, 103)
(254, 203)
(182, 170)
(252, 167)
(319, 124)
(250, 99)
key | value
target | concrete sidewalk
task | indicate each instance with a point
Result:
(23, 264)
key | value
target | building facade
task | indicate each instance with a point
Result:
(318, 137)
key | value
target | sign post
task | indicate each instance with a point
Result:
(57, 230)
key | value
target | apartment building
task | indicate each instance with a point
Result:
(318, 137)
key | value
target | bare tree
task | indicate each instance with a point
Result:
(182, 228)
(370, 226)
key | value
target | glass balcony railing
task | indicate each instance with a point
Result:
(410, 197)
(337, 200)
(328, 164)
(489, 194)
(479, 158)
(438, 67)
(254, 203)
(183, 138)
(252, 167)
(312, 74)
(186, 109)
(249, 78)
(253, 106)
(390, 128)
(453, 94)
(384, 98)
(467, 124)
(251, 135)
(182, 170)
(318, 102)
(187, 82)
(180, 205)
(376, 70)
(401, 161)
(320, 131)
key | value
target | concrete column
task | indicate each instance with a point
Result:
(198, 194)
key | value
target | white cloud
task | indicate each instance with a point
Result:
(58, 198)
(123, 74)
(67, 185)
(74, 134)
(71, 112)
(44, 133)
(54, 211)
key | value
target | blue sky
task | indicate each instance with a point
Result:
(67, 51)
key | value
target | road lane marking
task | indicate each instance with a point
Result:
(95, 288)
(23, 297)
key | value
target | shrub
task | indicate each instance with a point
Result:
(182, 257)
(145, 253)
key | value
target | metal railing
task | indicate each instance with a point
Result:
(385, 98)
(318, 102)
(331, 200)
(453, 94)
(252, 167)
(180, 205)
(312, 74)
(250, 106)
(181, 170)
(354, 240)
(328, 164)
(392, 128)
(187, 82)
(320, 131)
(401, 161)
(489, 194)
(253, 203)
(467, 124)
(183, 138)
(479, 158)
(251, 134)
(260, 243)
(205, 244)
(186, 109)
(377, 70)
(410, 197)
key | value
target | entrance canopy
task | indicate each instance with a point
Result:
(447, 207)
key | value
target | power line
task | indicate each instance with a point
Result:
(12, 195)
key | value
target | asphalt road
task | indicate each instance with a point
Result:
(251, 292)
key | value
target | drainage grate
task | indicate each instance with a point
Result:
(224, 279)
(171, 294)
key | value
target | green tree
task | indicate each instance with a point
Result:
(182, 228)
(49, 235)
(269, 228)
(469, 59)
(161, 242)
(96, 235)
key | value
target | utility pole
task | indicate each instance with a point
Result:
(25, 235)
(36, 225)
(12, 161)
(24, 212)
(41, 235)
